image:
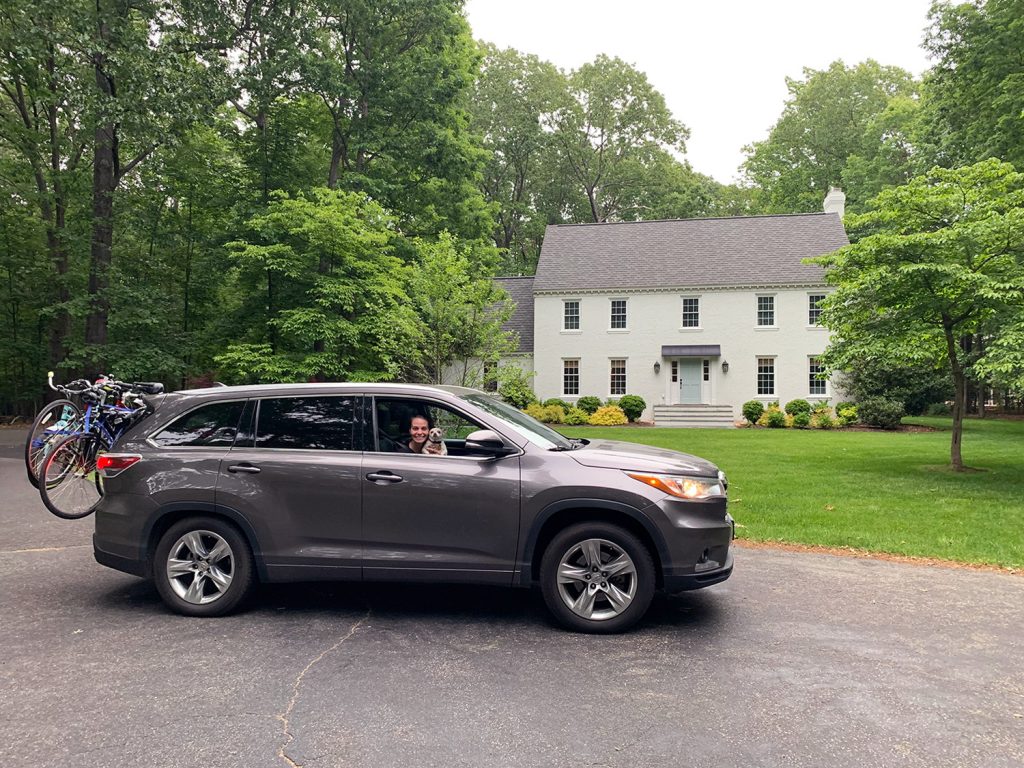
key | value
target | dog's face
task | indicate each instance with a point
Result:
(435, 435)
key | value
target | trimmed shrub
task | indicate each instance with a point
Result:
(847, 415)
(552, 414)
(576, 416)
(880, 412)
(633, 406)
(752, 410)
(801, 420)
(939, 409)
(608, 416)
(588, 403)
(772, 418)
(517, 392)
(794, 407)
(536, 410)
(840, 407)
(822, 420)
(821, 407)
(559, 402)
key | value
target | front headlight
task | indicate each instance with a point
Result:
(683, 486)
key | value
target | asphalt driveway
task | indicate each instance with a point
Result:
(798, 660)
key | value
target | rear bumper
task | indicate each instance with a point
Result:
(130, 565)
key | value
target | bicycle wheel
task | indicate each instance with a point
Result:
(55, 422)
(70, 486)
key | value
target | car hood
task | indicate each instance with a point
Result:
(615, 454)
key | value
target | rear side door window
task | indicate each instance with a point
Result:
(209, 426)
(308, 423)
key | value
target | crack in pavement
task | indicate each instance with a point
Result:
(44, 549)
(283, 717)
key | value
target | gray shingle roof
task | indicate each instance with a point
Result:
(520, 290)
(747, 250)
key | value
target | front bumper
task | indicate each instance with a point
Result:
(686, 582)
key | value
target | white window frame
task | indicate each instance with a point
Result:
(611, 315)
(566, 374)
(814, 321)
(812, 362)
(565, 315)
(767, 370)
(774, 310)
(683, 312)
(612, 374)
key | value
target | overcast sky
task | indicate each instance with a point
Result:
(720, 65)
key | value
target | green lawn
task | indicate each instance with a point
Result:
(878, 491)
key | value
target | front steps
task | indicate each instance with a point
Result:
(699, 416)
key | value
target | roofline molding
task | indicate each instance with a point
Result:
(677, 289)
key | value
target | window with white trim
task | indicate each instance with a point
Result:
(691, 312)
(815, 384)
(675, 370)
(706, 365)
(766, 376)
(617, 380)
(814, 308)
(571, 315)
(618, 316)
(765, 311)
(570, 377)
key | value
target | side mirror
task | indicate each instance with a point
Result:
(487, 441)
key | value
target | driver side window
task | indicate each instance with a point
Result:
(394, 420)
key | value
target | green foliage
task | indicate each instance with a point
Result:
(772, 418)
(822, 420)
(934, 261)
(552, 414)
(974, 95)
(514, 386)
(794, 407)
(914, 384)
(576, 416)
(633, 406)
(846, 415)
(842, 126)
(880, 412)
(588, 403)
(801, 419)
(753, 410)
(938, 409)
(536, 410)
(559, 402)
(608, 416)
(844, 404)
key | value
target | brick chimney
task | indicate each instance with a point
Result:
(835, 201)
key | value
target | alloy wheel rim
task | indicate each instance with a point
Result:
(200, 567)
(597, 579)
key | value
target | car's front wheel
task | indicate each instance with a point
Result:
(203, 567)
(597, 577)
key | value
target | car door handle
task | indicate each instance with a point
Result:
(384, 477)
(249, 469)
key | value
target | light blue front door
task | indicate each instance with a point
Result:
(689, 380)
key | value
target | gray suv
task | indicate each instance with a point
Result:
(223, 487)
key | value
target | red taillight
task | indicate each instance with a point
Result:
(111, 464)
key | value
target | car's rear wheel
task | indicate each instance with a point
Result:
(597, 577)
(203, 567)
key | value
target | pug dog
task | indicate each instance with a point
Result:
(435, 443)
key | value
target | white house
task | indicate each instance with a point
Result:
(696, 316)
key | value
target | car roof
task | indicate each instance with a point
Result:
(262, 390)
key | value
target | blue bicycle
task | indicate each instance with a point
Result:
(70, 483)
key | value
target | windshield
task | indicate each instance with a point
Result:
(539, 434)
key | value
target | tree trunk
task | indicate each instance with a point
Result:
(104, 180)
(959, 397)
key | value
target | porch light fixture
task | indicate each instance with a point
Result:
(657, 366)
(725, 366)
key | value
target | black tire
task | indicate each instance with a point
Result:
(69, 484)
(215, 549)
(581, 548)
(45, 434)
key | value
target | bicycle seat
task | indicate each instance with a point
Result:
(149, 387)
